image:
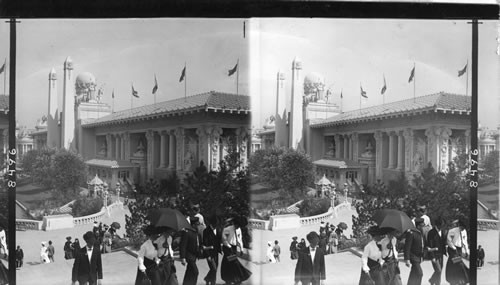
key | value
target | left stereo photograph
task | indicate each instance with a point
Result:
(133, 138)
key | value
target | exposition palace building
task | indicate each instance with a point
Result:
(365, 145)
(148, 142)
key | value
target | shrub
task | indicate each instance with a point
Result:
(313, 206)
(85, 206)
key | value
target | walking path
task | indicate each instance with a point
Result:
(120, 268)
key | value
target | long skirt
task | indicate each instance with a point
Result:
(4, 274)
(456, 273)
(167, 271)
(375, 274)
(391, 272)
(152, 273)
(231, 270)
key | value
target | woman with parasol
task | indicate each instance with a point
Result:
(232, 272)
(390, 256)
(372, 261)
(166, 257)
(147, 258)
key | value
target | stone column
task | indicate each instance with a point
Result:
(163, 149)
(467, 140)
(179, 137)
(432, 135)
(408, 139)
(401, 155)
(337, 146)
(126, 150)
(109, 146)
(392, 147)
(171, 150)
(215, 147)
(122, 147)
(117, 146)
(355, 146)
(378, 154)
(242, 135)
(203, 145)
(346, 146)
(149, 150)
(444, 156)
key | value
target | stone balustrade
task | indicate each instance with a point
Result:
(318, 218)
(258, 224)
(487, 224)
(24, 224)
(85, 220)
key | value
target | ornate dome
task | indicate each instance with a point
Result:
(314, 78)
(85, 78)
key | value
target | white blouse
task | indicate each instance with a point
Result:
(371, 251)
(385, 251)
(147, 250)
(457, 238)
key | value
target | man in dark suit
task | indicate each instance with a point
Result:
(87, 269)
(414, 252)
(310, 268)
(190, 251)
(436, 246)
(212, 239)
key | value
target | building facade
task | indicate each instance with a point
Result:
(129, 147)
(363, 146)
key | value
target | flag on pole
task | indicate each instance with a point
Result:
(134, 92)
(113, 94)
(155, 88)
(412, 75)
(341, 95)
(183, 74)
(363, 93)
(384, 88)
(460, 72)
(2, 69)
(232, 71)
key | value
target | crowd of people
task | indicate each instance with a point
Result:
(379, 259)
(329, 237)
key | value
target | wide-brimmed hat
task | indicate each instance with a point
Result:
(312, 235)
(419, 221)
(374, 231)
(294, 238)
(68, 238)
(89, 237)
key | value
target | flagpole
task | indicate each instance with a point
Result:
(414, 81)
(5, 77)
(467, 80)
(237, 74)
(341, 99)
(113, 101)
(156, 90)
(383, 94)
(185, 82)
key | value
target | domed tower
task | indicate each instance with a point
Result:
(281, 116)
(53, 135)
(85, 87)
(68, 112)
(296, 121)
(314, 87)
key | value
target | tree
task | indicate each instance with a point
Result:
(445, 195)
(283, 168)
(70, 171)
(223, 193)
(491, 166)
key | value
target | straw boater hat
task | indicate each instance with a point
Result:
(96, 224)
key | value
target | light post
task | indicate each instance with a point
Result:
(106, 201)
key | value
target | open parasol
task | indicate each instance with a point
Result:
(391, 218)
(115, 225)
(170, 218)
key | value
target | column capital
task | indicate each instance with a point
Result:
(378, 135)
(408, 132)
(467, 133)
(163, 132)
(242, 132)
(179, 132)
(149, 134)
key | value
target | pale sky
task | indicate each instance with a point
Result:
(350, 52)
(120, 52)
(346, 52)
